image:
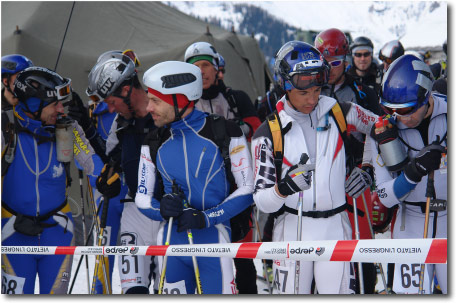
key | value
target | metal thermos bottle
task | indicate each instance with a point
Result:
(391, 150)
(64, 139)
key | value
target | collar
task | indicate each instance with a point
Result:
(194, 120)
(34, 126)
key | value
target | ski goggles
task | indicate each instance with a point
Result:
(385, 59)
(64, 90)
(303, 81)
(336, 63)
(132, 55)
(94, 96)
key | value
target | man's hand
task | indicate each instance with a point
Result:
(358, 181)
(191, 218)
(298, 178)
(427, 160)
(79, 112)
(171, 205)
(108, 182)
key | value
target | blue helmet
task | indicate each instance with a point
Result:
(407, 83)
(12, 64)
(300, 65)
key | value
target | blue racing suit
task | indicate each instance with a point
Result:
(104, 120)
(34, 203)
(192, 160)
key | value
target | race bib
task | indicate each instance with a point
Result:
(284, 276)
(407, 279)
(176, 288)
(12, 285)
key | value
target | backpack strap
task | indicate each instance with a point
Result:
(218, 126)
(275, 126)
(10, 135)
(338, 113)
(229, 96)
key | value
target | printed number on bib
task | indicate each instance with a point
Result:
(407, 279)
(11, 284)
(283, 281)
(176, 288)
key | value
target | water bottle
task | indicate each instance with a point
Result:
(64, 139)
(391, 150)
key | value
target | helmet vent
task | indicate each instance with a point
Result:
(294, 55)
(9, 65)
(171, 81)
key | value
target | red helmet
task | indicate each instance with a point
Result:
(381, 215)
(332, 42)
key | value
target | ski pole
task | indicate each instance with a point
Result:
(82, 257)
(101, 258)
(303, 160)
(165, 258)
(430, 192)
(382, 273)
(81, 176)
(299, 238)
(360, 268)
(100, 238)
(199, 288)
(265, 267)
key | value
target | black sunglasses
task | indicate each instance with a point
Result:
(359, 55)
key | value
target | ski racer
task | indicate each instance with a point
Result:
(307, 128)
(184, 158)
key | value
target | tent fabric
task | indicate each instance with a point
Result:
(156, 33)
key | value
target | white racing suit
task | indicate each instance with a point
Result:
(395, 189)
(327, 193)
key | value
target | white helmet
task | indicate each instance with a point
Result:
(200, 50)
(175, 77)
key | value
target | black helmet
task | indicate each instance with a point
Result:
(361, 41)
(42, 84)
(391, 51)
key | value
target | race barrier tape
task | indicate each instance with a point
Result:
(430, 251)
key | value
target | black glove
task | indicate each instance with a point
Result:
(389, 134)
(298, 178)
(358, 181)
(172, 205)
(108, 182)
(79, 112)
(191, 218)
(427, 160)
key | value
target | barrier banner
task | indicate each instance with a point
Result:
(430, 251)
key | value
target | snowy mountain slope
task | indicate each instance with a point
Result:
(415, 23)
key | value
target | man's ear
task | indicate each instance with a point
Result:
(5, 81)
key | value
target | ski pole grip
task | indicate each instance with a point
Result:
(430, 190)
(81, 175)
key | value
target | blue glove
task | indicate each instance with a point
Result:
(172, 205)
(191, 218)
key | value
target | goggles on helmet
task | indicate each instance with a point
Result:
(304, 81)
(405, 109)
(64, 90)
(94, 96)
(385, 59)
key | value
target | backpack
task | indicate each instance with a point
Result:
(278, 132)
(240, 224)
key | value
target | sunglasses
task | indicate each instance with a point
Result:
(359, 55)
(305, 81)
(336, 63)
